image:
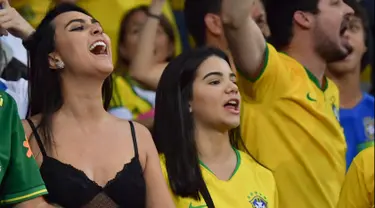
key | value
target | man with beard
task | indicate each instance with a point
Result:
(289, 108)
(356, 107)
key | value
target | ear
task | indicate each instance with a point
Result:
(303, 19)
(54, 60)
(213, 24)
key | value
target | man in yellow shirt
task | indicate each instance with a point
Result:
(289, 109)
(358, 188)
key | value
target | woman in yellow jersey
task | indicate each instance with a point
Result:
(130, 100)
(197, 115)
(358, 188)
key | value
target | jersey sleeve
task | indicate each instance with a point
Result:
(22, 179)
(356, 191)
(272, 81)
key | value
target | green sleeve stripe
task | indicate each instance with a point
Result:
(264, 66)
(365, 145)
(24, 196)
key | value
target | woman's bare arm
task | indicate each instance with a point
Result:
(143, 67)
(157, 193)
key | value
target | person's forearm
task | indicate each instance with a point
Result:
(245, 40)
(28, 31)
(144, 58)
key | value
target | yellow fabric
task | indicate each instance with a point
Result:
(32, 10)
(177, 5)
(108, 12)
(249, 184)
(124, 96)
(366, 74)
(290, 125)
(358, 188)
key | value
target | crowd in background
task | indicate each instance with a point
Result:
(163, 55)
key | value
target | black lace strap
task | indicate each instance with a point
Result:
(37, 137)
(132, 129)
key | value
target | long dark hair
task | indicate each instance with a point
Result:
(165, 24)
(45, 95)
(174, 125)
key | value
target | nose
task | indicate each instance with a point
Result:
(96, 29)
(232, 88)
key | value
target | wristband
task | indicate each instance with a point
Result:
(149, 14)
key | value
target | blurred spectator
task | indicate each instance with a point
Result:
(13, 71)
(204, 24)
(130, 100)
(368, 73)
(356, 107)
(108, 12)
(259, 15)
(358, 188)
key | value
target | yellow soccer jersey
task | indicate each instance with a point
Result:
(251, 185)
(290, 124)
(125, 96)
(358, 188)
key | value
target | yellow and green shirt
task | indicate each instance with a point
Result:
(20, 179)
(358, 188)
(125, 96)
(251, 185)
(290, 124)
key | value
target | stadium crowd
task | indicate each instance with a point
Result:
(187, 103)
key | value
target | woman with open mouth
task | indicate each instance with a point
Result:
(87, 157)
(196, 132)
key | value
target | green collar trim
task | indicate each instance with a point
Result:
(312, 77)
(238, 155)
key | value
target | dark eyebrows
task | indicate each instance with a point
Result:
(80, 21)
(231, 75)
(212, 74)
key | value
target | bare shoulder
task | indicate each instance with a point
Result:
(30, 137)
(142, 131)
(26, 125)
(142, 134)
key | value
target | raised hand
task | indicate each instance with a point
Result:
(11, 21)
(156, 6)
(236, 10)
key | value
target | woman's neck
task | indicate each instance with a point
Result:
(83, 99)
(212, 145)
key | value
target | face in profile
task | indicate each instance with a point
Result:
(258, 13)
(330, 25)
(356, 38)
(81, 45)
(215, 99)
(163, 46)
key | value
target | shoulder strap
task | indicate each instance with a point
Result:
(37, 137)
(132, 129)
(206, 196)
